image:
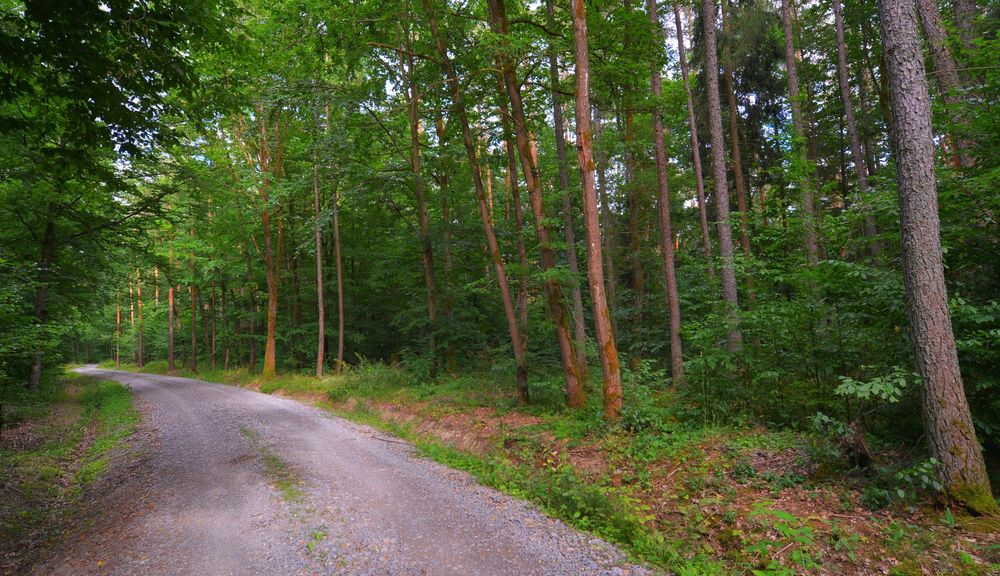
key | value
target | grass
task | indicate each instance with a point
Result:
(63, 444)
(277, 470)
(690, 498)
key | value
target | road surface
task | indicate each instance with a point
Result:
(226, 481)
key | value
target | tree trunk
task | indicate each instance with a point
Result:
(340, 279)
(170, 328)
(118, 330)
(734, 140)
(270, 258)
(318, 238)
(966, 15)
(211, 311)
(706, 240)
(529, 165)
(606, 225)
(948, 81)
(595, 274)
(515, 194)
(427, 250)
(138, 299)
(800, 134)
(666, 230)
(860, 168)
(42, 299)
(579, 327)
(951, 436)
(728, 272)
(458, 102)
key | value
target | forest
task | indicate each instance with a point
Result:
(636, 222)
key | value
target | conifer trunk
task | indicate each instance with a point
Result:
(951, 436)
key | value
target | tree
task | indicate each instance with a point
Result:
(612, 386)
(951, 436)
(728, 271)
(666, 230)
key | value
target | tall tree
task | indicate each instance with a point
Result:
(612, 386)
(948, 80)
(458, 104)
(666, 229)
(800, 133)
(860, 168)
(727, 269)
(706, 240)
(529, 165)
(951, 436)
(579, 327)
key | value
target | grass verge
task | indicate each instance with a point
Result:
(52, 454)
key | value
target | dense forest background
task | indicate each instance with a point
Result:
(300, 186)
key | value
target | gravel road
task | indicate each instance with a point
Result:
(226, 481)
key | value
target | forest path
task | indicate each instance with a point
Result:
(227, 481)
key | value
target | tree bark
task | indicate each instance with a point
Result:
(318, 240)
(860, 167)
(118, 330)
(170, 328)
(800, 134)
(951, 436)
(340, 279)
(706, 239)
(734, 140)
(666, 230)
(458, 103)
(529, 165)
(579, 327)
(728, 272)
(948, 81)
(612, 387)
(966, 15)
(138, 298)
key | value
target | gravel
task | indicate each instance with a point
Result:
(227, 481)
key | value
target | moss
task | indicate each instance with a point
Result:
(975, 498)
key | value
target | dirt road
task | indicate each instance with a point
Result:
(227, 481)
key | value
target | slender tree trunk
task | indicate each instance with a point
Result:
(666, 230)
(318, 238)
(728, 272)
(226, 333)
(458, 103)
(579, 327)
(606, 224)
(194, 328)
(156, 286)
(427, 250)
(170, 328)
(706, 240)
(951, 435)
(734, 139)
(340, 279)
(270, 258)
(529, 165)
(211, 311)
(118, 330)
(515, 193)
(42, 298)
(138, 298)
(948, 81)
(595, 273)
(800, 134)
(858, 157)
(966, 15)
